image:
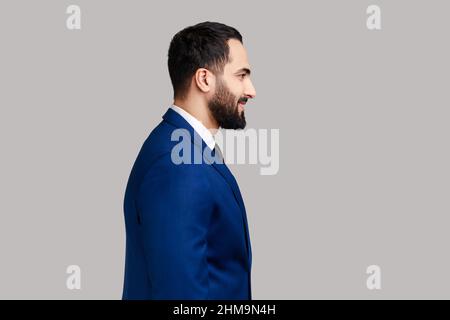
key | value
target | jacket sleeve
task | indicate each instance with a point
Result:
(175, 207)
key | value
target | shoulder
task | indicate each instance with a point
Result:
(165, 174)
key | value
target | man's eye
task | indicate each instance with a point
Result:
(242, 76)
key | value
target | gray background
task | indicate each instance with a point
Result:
(364, 151)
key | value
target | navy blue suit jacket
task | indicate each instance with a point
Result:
(186, 226)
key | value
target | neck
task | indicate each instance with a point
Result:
(199, 110)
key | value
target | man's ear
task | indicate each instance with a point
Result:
(204, 80)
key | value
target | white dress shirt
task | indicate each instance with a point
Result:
(204, 133)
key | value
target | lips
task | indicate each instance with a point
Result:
(242, 101)
(241, 104)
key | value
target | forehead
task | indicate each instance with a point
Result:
(238, 56)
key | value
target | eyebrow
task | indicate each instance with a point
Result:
(246, 70)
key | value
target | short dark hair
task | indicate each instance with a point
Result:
(203, 45)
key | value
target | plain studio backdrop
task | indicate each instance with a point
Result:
(364, 142)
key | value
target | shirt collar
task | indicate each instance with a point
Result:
(204, 133)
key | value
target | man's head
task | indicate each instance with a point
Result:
(208, 64)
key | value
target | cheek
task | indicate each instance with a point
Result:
(237, 89)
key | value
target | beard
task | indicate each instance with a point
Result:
(224, 108)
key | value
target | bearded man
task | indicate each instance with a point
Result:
(186, 226)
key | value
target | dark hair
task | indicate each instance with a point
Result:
(203, 45)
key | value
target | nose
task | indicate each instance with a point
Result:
(250, 91)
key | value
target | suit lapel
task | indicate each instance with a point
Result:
(228, 176)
